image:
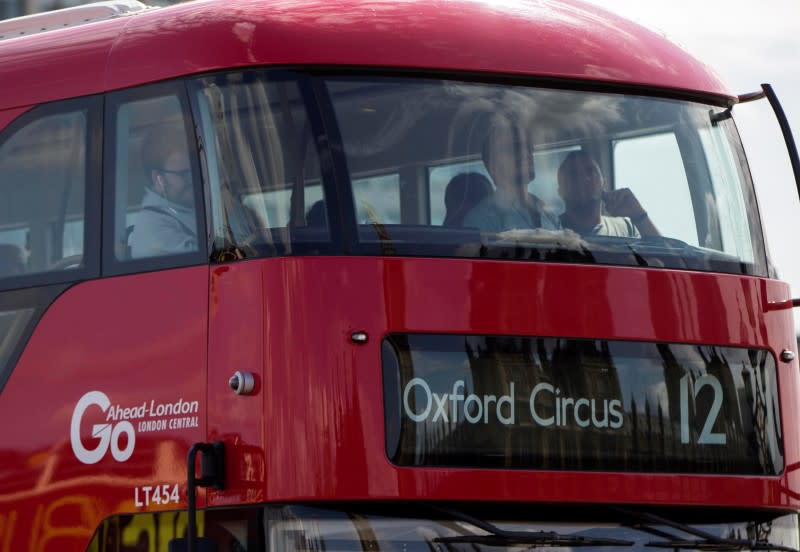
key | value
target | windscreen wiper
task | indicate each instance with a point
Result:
(501, 537)
(704, 540)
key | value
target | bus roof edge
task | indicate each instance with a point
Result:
(68, 17)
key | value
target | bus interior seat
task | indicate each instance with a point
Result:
(463, 192)
(316, 215)
(130, 193)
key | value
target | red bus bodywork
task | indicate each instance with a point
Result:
(313, 430)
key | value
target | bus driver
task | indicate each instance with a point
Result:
(166, 223)
(582, 187)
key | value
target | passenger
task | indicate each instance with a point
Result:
(463, 192)
(166, 223)
(582, 187)
(508, 158)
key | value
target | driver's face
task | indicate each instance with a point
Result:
(582, 181)
(174, 179)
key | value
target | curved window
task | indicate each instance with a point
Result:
(266, 184)
(423, 167)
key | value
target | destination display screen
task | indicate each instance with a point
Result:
(572, 404)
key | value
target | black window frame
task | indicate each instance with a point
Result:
(111, 265)
(90, 263)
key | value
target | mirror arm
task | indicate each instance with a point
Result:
(787, 132)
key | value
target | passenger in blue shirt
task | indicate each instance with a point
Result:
(508, 157)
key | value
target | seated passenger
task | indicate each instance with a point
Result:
(462, 193)
(582, 187)
(166, 223)
(508, 158)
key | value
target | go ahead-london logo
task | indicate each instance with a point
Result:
(118, 431)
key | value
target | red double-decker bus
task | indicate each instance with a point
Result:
(400, 276)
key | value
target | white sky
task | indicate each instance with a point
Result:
(747, 43)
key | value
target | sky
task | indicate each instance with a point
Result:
(747, 43)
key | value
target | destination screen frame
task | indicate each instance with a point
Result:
(448, 403)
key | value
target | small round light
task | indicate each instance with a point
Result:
(359, 337)
(787, 355)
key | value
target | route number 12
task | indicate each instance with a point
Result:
(707, 437)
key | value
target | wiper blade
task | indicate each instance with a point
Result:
(540, 538)
(705, 540)
(721, 544)
(502, 537)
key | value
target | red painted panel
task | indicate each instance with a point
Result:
(313, 429)
(563, 39)
(139, 341)
(322, 396)
(237, 344)
(55, 65)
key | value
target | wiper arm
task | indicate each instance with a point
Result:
(705, 541)
(502, 537)
(533, 539)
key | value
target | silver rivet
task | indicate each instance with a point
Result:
(359, 337)
(242, 383)
(787, 355)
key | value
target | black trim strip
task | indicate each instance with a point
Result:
(333, 160)
(556, 83)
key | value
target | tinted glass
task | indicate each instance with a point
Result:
(573, 176)
(266, 187)
(43, 189)
(155, 187)
(445, 168)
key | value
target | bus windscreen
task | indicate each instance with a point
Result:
(381, 165)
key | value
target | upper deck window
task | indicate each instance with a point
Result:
(425, 167)
(152, 182)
